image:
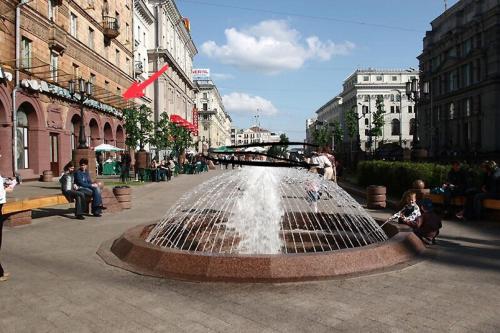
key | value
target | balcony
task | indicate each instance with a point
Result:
(111, 27)
(139, 68)
(57, 39)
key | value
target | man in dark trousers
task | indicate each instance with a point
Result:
(456, 184)
(69, 189)
(85, 184)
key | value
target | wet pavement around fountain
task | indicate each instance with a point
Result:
(59, 284)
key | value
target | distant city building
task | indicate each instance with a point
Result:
(234, 132)
(460, 76)
(256, 134)
(310, 127)
(360, 92)
(214, 123)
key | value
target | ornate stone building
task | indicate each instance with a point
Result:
(360, 91)
(174, 91)
(214, 124)
(59, 41)
(460, 81)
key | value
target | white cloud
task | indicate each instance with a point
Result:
(271, 47)
(244, 103)
(221, 76)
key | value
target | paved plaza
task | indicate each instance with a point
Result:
(59, 284)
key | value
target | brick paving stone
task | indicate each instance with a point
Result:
(59, 284)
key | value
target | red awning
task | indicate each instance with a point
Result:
(176, 119)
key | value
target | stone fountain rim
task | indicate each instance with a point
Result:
(131, 252)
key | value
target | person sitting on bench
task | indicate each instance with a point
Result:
(69, 189)
(85, 184)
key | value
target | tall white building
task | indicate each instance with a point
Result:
(256, 134)
(143, 32)
(172, 45)
(214, 123)
(360, 92)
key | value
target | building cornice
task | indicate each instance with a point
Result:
(142, 9)
(174, 13)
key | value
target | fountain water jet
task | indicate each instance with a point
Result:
(263, 224)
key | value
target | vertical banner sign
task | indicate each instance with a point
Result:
(195, 121)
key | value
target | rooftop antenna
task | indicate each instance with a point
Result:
(445, 5)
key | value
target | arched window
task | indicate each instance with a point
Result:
(22, 140)
(395, 127)
(412, 126)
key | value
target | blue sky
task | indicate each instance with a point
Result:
(283, 59)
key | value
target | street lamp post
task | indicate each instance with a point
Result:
(414, 94)
(84, 90)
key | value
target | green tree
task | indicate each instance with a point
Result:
(336, 134)
(378, 118)
(180, 140)
(161, 137)
(322, 136)
(352, 126)
(281, 150)
(138, 126)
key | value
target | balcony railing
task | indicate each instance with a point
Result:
(57, 39)
(111, 26)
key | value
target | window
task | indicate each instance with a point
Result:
(91, 38)
(139, 33)
(398, 98)
(410, 109)
(366, 78)
(106, 85)
(412, 126)
(379, 77)
(395, 127)
(53, 66)
(76, 71)
(452, 111)
(127, 31)
(73, 25)
(205, 107)
(366, 98)
(205, 95)
(392, 98)
(127, 61)
(467, 46)
(26, 53)
(22, 140)
(52, 10)
(394, 78)
(144, 38)
(366, 121)
(392, 108)
(117, 58)
(92, 78)
(118, 91)
(397, 109)
(467, 107)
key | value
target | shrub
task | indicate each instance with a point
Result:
(399, 176)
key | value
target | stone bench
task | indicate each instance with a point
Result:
(18, 211)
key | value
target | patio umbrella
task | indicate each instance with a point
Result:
(107, 147)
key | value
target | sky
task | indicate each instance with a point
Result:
(283, 59)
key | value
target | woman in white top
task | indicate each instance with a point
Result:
(4, 187)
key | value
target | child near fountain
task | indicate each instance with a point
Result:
(313, 193)
(410, 212)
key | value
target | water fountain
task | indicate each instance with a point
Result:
(263, 224)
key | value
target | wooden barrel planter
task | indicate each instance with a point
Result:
(47, 176)
(376, 197)
(124, 196)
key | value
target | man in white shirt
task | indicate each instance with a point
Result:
(325, 163)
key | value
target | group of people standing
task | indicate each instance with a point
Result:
(324, 163)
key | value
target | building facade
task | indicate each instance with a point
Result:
(460, 81)
(59, 41)
(256, 134)
(214, 126)
(174, 90)
(360, 92)
(144, 36)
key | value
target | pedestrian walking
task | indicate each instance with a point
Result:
(6, 185)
